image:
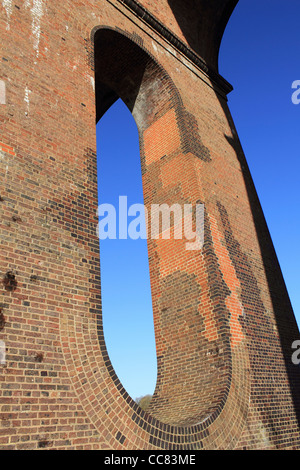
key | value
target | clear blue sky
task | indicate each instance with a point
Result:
(260, 57)
(125, 280)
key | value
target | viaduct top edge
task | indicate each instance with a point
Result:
(194, 27)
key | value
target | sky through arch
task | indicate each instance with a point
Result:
(125, 281)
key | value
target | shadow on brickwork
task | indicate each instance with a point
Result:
(260, 328)
(203, 24)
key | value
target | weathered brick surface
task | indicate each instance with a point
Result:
(223, 321)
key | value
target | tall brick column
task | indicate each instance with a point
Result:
(223, 321)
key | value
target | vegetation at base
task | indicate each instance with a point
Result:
(144, 401)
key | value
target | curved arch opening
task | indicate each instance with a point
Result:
(193, 367)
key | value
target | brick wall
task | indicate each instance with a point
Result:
(223, 321)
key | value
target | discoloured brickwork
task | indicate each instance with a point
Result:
(223, 320)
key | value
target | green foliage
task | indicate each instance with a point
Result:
(144, 401)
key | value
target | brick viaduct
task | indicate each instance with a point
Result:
(223, 321)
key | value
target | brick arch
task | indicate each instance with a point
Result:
(202, 392)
